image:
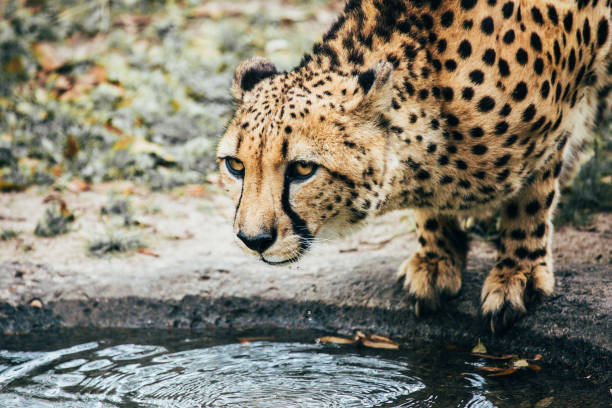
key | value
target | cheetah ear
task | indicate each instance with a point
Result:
(249, 73)
(377, 87)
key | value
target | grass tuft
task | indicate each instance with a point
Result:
(55, 221)
(112, 242)
(8, 234)
(119, 207)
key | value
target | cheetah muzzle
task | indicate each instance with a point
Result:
(451, 108)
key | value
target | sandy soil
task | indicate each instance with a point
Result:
(174, 225)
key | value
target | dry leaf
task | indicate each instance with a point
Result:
(376, 337)
(77, 185)
(48, 57)
(359, 335)
(195, 190)
(534, 367)
(248, 340)
(479, 348)
(520, 363)
(336, 340)
(72, 147)
(545, 402)
(504, 372)
(147, 252)
(36, 303)
(121, 143)
(491, 369)
(14, 65)
(380, 344)
(502, 357)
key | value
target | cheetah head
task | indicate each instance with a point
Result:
(304, 155)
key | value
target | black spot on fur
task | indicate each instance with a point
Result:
(520, 91)
(529, 113)
(465, 49)
(602, 32)
(487, 26)
(512, 210)
(479, 149)
(504, 69)
(467, 94)
(486, 104)
(431, 224)
(537, 15)
(508, 9)
(509, 37)
(446, 20)
(366, 80)
(532, 207)
(568, 21)
(536, 42)
(538, 66)
(552, 14)
(521, 56)
(476, 132)
(468, 4)
(477, 76)
(489, 56)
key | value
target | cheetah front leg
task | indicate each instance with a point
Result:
(523, 272)
(434, 270)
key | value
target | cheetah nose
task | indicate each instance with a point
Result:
(260, 242)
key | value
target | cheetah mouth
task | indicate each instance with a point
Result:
(283, 262)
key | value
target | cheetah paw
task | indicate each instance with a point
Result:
(504, 298)
(428, 281)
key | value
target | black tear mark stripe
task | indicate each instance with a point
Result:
(239, 200)
(297, 223)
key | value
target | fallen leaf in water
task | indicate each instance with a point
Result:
(359, 335)
(544, 402)
(377, 337)
(507, 371)
(147, 252)
(479, 348)
(380, 344)
(336, 340)
(534, 367)
(492, 369)
(248, 340)
(36, 303)
(520, 363)
(502, 357)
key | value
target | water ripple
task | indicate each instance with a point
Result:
(260, 374)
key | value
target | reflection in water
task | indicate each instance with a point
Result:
(260, 374)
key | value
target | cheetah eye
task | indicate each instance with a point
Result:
(234, 166)
(301, 170)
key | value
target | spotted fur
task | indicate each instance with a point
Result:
(451, 108)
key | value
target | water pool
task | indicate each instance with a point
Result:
(156, 368)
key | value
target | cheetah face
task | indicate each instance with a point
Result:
(300, 167)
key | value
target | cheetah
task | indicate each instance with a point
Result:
(451, 108)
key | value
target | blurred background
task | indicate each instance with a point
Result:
(105, 91)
